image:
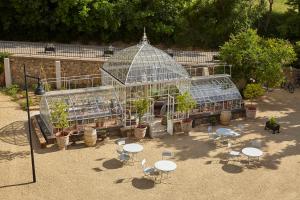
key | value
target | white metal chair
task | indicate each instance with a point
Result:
(124, 158)
(148, 171)
(166, 154)
(256, 144)
(120, 146)
(214, 138)
(232, 154)
(209, 129)
(240, 128)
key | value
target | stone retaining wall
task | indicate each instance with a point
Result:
(45, 67)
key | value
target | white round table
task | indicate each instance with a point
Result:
(133, 148)
(225, 132)
(252, 152)
(165, 165)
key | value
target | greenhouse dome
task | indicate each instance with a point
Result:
(143, 63)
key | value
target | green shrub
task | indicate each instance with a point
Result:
(272, 120)
(185, 103)
(24, 104)
(253, 91)
(59, 115)
(12, 90)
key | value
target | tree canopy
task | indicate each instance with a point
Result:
(257, 59)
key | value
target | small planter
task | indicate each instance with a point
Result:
(272, 126)
(251, 112)
(140, 132)
(225, 117)
(90, 136)
(62, 139)
(187, 125)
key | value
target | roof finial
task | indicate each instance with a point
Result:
(145, 39)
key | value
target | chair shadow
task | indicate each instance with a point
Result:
(233, 169)
(112, 164)
(15, 133)
(97, 169)
(143, 183)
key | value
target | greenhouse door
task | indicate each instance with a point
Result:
(170, 114)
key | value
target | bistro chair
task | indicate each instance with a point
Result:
(166, 154)
(148, 171)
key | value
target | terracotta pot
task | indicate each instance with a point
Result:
(90, 136)
(186, 125)
(225, 117)
(140, 132)
(251, 112)
(62, 140)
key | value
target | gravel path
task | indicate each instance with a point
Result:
(202, 170)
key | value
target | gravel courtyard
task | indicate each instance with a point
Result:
(202, 168)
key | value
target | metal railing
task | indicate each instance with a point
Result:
(95, 52)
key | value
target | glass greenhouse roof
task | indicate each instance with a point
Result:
(84, 104)
(143, 63)
(214, 89)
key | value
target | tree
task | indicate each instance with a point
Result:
(294, 5)
(185, 103)
(254, 57)
(59, 115)
(141, 106)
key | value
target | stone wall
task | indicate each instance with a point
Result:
(45, 67)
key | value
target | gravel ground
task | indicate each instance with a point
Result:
(202, 170)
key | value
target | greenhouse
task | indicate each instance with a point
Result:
(142, 71)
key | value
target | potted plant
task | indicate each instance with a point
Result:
(251, 92)
(185, 103)
(59, 117)
(141, 106)
(213, 121)
(272, 125)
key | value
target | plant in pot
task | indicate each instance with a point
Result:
(213, 121)
(141, 106)
(185, 103)
(59, 117)
(251, 92)
(272, 125)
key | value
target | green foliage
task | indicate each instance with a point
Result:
(12, 91)
(185, 103)
(296, 64)
(141, 106)
(253, 91)
(47, 87)
(213, 120)
(59, 115)
(272, 121)
(254, 57)
(24, 103)
(210, 23)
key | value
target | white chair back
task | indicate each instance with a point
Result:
(121, 142)
(229, 145)
(209, 129)
(143, 163)
(166, 153)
